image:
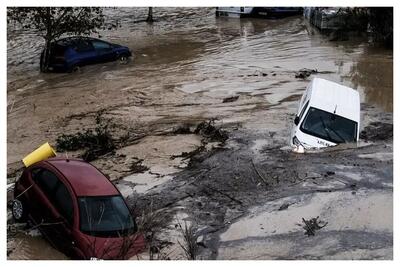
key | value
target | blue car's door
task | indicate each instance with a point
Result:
(104, 50)
(85, 52)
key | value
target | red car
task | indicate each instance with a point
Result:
(77, 209)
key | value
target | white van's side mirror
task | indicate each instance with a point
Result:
(296, 120)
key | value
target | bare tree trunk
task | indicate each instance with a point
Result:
(150, 15)
(45, 57)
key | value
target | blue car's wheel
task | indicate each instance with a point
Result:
(123, 58)
(74, 68)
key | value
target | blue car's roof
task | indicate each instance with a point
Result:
(67, 41)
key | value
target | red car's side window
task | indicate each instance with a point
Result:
(34, 172)
(56, 191)
(46, 180)
(63, 202)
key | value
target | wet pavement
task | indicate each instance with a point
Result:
(184, 66)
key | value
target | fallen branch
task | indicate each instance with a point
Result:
(225, 194)
(259, 174)
(189, 245)
(312, 225)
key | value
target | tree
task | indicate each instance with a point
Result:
(381, 24)
(150, 15)
(53, 22)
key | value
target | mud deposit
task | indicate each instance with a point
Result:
(238, 184)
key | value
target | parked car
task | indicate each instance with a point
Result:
(77, 209)
(328, 114)
(258, 12)
(68, 54)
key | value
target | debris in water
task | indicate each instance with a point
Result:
(138, 167)
(95, 142)
(187, 155)
(313, 225)
(182, 129)
(259, 174)
(299, 149)
(189, 244)
(304, 73)
(13, 229)
(255, 74)
(201, 244)
(329, 173)
(284, 206)
(209, 131)
(377, 131)
(230, 99)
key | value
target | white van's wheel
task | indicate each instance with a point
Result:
(18, 210)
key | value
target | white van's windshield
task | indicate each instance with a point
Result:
(329, 126)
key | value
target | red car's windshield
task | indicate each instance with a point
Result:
(106, 216)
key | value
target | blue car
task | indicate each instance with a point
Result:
(69, 54)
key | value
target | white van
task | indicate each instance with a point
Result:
(328, 114)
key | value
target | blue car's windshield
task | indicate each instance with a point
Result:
(105, 216)
(329, 126)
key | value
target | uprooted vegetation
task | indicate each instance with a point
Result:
(99, 141)
(312, 225)
(304, 73)
(377, 131)
(95, 142)
(207, 129)
(151, 223)
(138, 167)
(189, 244)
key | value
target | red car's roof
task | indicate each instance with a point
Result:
(84, 178)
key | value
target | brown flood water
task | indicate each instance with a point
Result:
(28, 247)
(187, 55)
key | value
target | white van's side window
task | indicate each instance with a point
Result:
(303, 110)
(305, 96)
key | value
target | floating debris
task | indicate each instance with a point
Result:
(95, 142)
(313, 225)
(377, 131)
(138, 167)
(182, 129)
(208, 130)
(230, 99)
(284, 206)
(304, 73)
(329, 173)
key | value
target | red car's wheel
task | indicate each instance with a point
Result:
(19, 210)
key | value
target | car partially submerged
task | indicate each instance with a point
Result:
(328, 114)
(77, 209)
(258, 12)
(69, 54)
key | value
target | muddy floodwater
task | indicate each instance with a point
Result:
(247, 195)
